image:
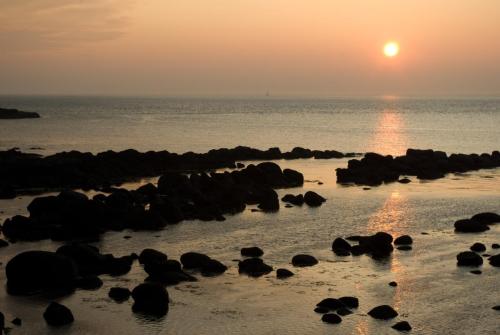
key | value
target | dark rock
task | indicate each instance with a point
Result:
(2, 322)
(150, 298)
(469, 258)
(58, 315)
(341, 247)
(476, 272)
(252, 252)
(213, 268)
(331, 304)
(302, 260)
(378, 245)
(402, 326)
(313, 199)
(393, 284)
(403, 240)
(194, 260)
(357, 250)
(470, 226)
(486, 218)
(7, 192)
(119, 294)
(254, 267)
(478, 247)
(3, 243)
(331, 318)
(495, 260)
(6, 113)
(404, 247)
(495, 246)
(34, 271)
(297, 200)
(283, 273)
(404, 181)
(321, 310)
(148, 256)
(383, 312)
(343, 311)
(89, 283)
(268, 201)
(293, 178)
(17, 321)
(496, 308)
(351, 302)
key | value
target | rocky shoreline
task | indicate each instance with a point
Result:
(11, 114)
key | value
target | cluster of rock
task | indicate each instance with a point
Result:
(374, 169)
(379, 245)
(177, 197)
(12, 113)
(310, 198)
(474, 257)
(477, 223)
(20, 171)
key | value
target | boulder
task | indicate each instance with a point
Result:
(403, 240)
(148, 256)
(378, 245)
(331, 304)
(494, 260)
(331, 318)
(40, 271)
(341, 247)
(297, 200)
(402, 326)
(478, 247)
(293, 178)
(486, 218)
(383, 312)
(302, 260)
(313, 199)
(3, 243)
(351, 302)
(58, 315)
(119, 294)
(252, 252)
(268, 200)
(283, 273)
(213, 268)
(254, 267)
(150, 298)
(321, 310)
(470, 226)
(469, 258)
(194, 260)
(89, 283)
(343, 311)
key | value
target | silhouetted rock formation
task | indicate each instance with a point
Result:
(254, 267)
(374, 169)
(150, 298)
(58, 315)
(477, 223)
(383, 312)
(469, 258)
(74, 169)
(6, 113)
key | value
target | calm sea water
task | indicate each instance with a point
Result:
(385, 125)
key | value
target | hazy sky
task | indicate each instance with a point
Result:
(248, 47)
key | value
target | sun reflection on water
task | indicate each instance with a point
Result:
(390, 134)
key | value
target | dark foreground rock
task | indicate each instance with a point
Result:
(6, 113)
(383, 312)
(150, 298)
(119, 294)
(478, 247)
(374, 169)
(58, 315)
(469, 258)
(283, 273)
(341, 247)
(402, 326)
(331, 318)
(494, 260)
(403, 240)
(252, 252)
(302, 260)
(470, 226)
(313, 199)
(254, 267)
(351, 302)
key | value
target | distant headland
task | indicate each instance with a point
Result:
(17, 114)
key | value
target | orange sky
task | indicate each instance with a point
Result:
(247, 47)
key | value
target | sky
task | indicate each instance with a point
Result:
(250, 47)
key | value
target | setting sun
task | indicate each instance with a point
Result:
(391, 49)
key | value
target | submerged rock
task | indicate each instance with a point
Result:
(383, 312)
(58, 315)
(469, 258)
(302, 260)
(313, 199)
(150, 298)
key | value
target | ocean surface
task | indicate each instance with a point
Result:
(385, 125)
(433, 294)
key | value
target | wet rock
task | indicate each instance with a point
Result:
(17, 322)
(148, 256)
(470, 226)
(283, 273)
(331, 304)
(150, 298)
(341, 247)
(351, 302)
(343, 311)
(3, 243)
(119, 294)
(495, 260)
(194, 260)
(478, 247)
(476, 272)
(331, 318)
(11, 113)
(302, 260)
(404, 247)
(404, 181)
(40, 271)
(393, 284)
(486, 218)
(7, 192)
(313, 199)
(297, 200)
(252, 252)
(469, 258)
(402, 326)
(383, 312)
(378, 245)
(357, 250)
(89, 283)
(254, 267)
(495, 246)
(213, 268)
(58, 315)
(268, 201)
(403, 240)
(293, 178)
(321, 310)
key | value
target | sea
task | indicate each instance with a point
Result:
(433, 294)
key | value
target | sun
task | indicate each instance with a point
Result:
(391, 49)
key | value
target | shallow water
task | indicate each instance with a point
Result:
(383, 125)
(433, 294)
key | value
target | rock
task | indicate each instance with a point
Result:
(478, 247)
(402, 326)
(321, 310)
(293, 178)
(297, 200)
(357, 250)
(89, 283)
(313, 199)
(404, 181)
(403, 240)
(341, 247)
(302, 260)
(393, 284)
(194, 260)
(2, 322)
(17, 321)
(252, 252)
(470, 226)
(404, 247)
(486, 218)
(40, 271)
(351, 302)
(3, 243)
(495, 246)
(496, 308)
(343, 311)
(269, 200)
(469, 258)
(495, 260)
(283, 273)
(148, 256)
(58, 315)
(7, 192)
(331, 318)
(383, 312)
(119, 294)
(476, 272)
(378, 245)
(150, 298)
(6, 113)
(254, 267)
(331, 304)
(213, 268)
